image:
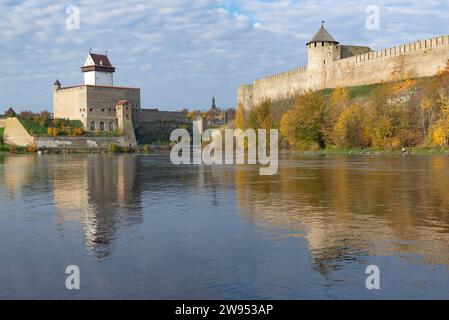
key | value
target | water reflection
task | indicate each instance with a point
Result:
(224, 222)
(349, 208)
(97, 191)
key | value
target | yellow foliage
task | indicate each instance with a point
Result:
(350, 129)
(303, 126)
(403, 86)
(439, 135)
(240, 117)
(30, 149)
(339, 97)
(78, 131)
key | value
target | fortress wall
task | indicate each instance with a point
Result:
(419, 59)
(154, 125)
(152, 115)
(81, 143)
(245, 96)
(67, 102)
(16, 134)
(101, 102)
(284, 85)
(2, 123)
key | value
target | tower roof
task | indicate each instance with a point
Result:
(97, 62)
(57, 83)
(322, 36)
(100, 60)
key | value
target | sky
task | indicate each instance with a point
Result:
(182, 52)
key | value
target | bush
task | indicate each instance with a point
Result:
(112, 148)
(42, 124)
(30, 149)
(125, 150)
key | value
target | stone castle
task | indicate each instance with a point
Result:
(331, 65)
(101, 106)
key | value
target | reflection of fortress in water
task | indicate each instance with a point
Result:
(97, 191)
(350, 212)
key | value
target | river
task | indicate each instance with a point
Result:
(137, 226)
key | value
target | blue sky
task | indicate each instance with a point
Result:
(181, 52)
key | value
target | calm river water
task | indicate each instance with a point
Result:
(139, 227)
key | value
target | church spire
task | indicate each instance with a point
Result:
(214, 106)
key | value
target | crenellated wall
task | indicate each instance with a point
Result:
(418, 59)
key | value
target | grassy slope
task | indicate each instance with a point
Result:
(359, 94)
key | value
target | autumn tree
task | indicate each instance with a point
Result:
(304, 125)
(351, 129)
(240, 117)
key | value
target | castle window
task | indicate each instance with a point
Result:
(91, 110)
(102, 126)
(315, 44)
(92, 126)
(102, 110)
(111, 126)
(322, 44)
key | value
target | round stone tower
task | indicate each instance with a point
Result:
(322, 50)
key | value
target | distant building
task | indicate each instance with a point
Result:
(215, 116)
(10, 113)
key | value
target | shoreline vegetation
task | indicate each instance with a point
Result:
(408, 116)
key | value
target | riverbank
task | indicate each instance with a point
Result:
(372, 151)
(166, 149)
(139, 149)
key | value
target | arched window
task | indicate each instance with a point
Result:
(111, 126)
(102, 126)
(92, 126)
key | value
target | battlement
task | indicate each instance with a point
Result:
(401, 50)
(284, 75)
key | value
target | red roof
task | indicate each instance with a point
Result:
(100, 60)
(122, 103)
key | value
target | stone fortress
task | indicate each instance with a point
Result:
(101, 106)
(331, 65)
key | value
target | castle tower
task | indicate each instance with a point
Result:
(98, 70)
(124, 115)
(322, 50)
(56, 85)
(124, 121)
